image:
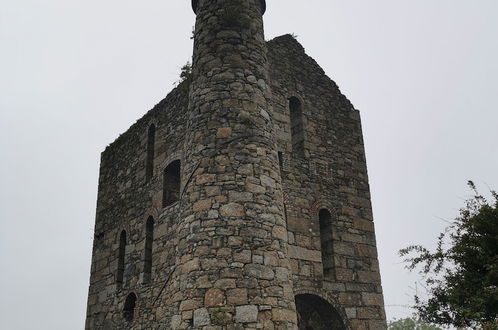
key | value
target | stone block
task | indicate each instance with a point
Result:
(366, 250)
(246, 314)
(298, 225)
(297, 252)
(232, 210)
(368, 277)
(224, 132)
(368, 313)
(201, 317)
(205, 178)
(279, 232)
(214, 297)
(259, 271)
(280, 315)
(190, 266)
(225, 283)
(372, 299)
(189, 304)
(244, 256)
(202, 205)
(364, 225)
(237, 296)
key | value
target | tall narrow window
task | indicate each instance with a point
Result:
(171, 183)
(297, 126)
(326, 242)
(151, 140)
(149, 238)
(121, 257)
(130, 307)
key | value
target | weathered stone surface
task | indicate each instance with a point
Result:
(246, 314)
(259, 271)
(282, 315)
(214, 297)
(237, 228)
(191, 265)
(224, 132)
(202, 205)
(372, 299)
(201, 317)
(176, 321)
(237, 297)
(298, 252)
(232, 210)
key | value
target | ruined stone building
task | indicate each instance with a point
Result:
(240, 201)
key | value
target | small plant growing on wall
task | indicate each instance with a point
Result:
(218, 317)
(185, 76)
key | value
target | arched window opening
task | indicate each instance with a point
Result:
(149, 238)
(316, 313)
(326, 242)
(297, 126)
(171, 183)
(121, 257)
(130, 307)
(151, 140)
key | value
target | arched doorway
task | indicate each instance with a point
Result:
(315, 313)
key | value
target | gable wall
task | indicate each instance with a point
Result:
(331, 174)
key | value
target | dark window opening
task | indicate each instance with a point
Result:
(121, 257)
(130, 307)
(149, 239)
(297, 126)
(281, 160)
(151, 140)
(171, 183)
(326, 242)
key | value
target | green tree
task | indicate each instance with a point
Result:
(461, 275)
(411, 324)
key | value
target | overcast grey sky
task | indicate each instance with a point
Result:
(75, 74)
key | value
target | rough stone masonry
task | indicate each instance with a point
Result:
(240, 201)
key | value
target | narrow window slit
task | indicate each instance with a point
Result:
(326, 240)
(171, 183)
(121, 257)
(149, 239)
(151, 140)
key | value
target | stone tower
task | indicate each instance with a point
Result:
(241, 201)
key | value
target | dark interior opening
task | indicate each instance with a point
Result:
(171, 183)
(121, 257)
(129, 307)
(326, 241)
(315, 313)
(149, 239)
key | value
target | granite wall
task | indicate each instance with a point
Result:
(271, 207)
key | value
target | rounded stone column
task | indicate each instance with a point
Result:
(232, 269)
